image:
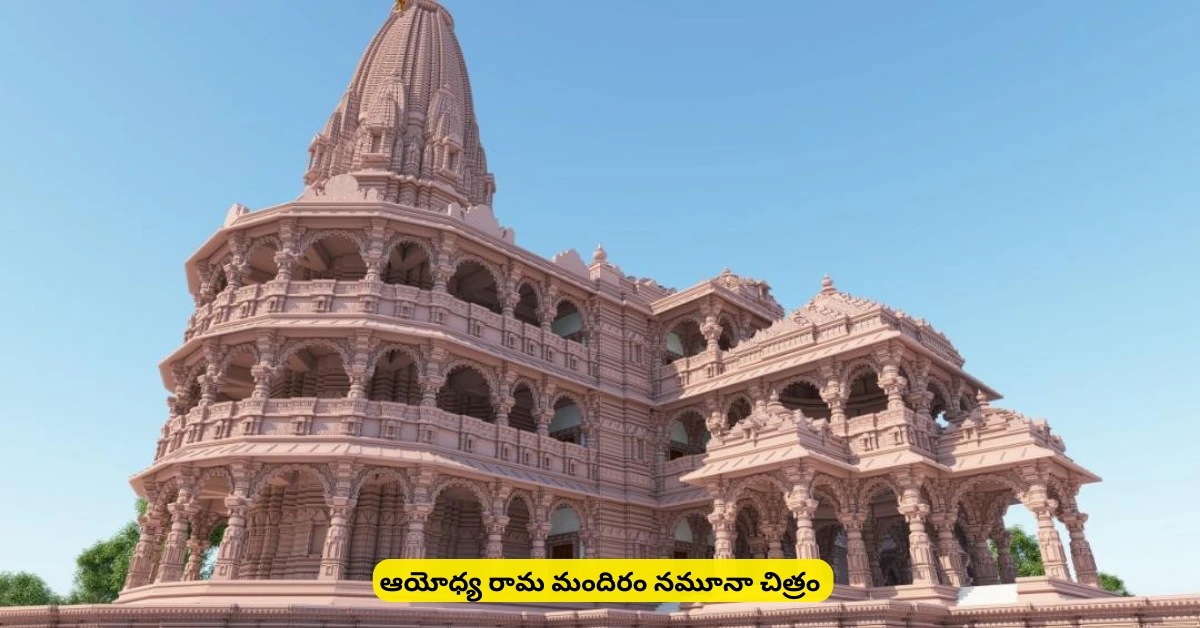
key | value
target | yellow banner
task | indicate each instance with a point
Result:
(602, 580)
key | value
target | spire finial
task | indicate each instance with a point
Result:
(400, 5)
(600, 255)
(827, 286)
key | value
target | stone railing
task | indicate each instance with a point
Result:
(879, 432)
(671, 470)
(997, 427)
(380, 423)
(674, 377)
(403, 303)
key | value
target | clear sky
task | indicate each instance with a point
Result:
(1024, 175)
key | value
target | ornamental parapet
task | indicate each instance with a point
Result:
(890, 430)
(405, 305)
(380, 423)
(996, 428)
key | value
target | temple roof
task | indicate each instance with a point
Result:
(831, 306)
(409, 95)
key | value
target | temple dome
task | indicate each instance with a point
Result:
(408, 114)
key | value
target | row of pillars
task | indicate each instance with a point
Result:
(167, 565)
(924, 557)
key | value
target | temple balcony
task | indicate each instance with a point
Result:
(391, 429)
(400, 304)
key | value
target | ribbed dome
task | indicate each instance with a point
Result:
(408, 114)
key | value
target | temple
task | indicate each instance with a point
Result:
(377, 370)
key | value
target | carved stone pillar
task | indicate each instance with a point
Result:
(414, 537)
(230, 556)
(544, 416)
(170, 568)
(441, 276)
(504, 405)
(430, 385)
(949, 554)
(286, 261)
(774, 536)
(537, 534)
(1008, 568)
(981, 555)
(1081, 550)
(919, 548)
(857, 564)
(197, 546)
(1054, 559)
(358, 381)
(495, 536)
(337, 538)
(803, 508)
(142, 564)
(871, 542)
(711, 330)
(264, 375)
(722, 525)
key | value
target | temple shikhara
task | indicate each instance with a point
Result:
(379, 370)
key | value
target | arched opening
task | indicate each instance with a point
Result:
(466, 392)
(260, 264)
(408, 265)
(966, 404)
(526, 310)
(564, 539)
(238, 382)
(568, 321)
(312, 371)
(748, 541)
(866, 397)
(832, 543)
(455, 528)
(738, 410)
(521, 416)
(517, 541)
(885, 536)
(206, 529)
(473, 282)
(693, 538)
(684, 340)
(396, 379)
(567, 423)
(728, 338)
(218, 283)
(688, 435)
(193, 390)
(286, 528)
(805, 397)
(333, 256)
(937, 405)
(377, 530)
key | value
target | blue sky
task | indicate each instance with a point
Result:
(1023, 175)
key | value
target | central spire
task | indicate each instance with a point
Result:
(406, 124)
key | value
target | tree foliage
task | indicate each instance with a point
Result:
(100, 570)
(25, 589)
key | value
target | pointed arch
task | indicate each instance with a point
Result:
(332, 254)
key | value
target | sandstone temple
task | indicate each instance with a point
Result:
(378, 370)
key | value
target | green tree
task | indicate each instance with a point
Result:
(25, 589)
(1026, 553)
(1113, 584)
(100, 569)
(1027, 556)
